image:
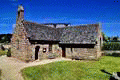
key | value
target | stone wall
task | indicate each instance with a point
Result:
(57, 50)
(84, 53)
(41, 54)
(7, 46)
(20, 46)
(99, 52)
(98, 46)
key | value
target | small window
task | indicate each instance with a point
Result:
(44, 50)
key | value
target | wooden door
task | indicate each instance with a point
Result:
(36, 52)
(63, 52)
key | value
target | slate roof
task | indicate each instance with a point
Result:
(40, 31)
(85, 34)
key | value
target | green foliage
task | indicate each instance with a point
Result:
(115, 38)
(73, 70)
(113, 54)
(105, 37)
(0, 73)
(108, 54)
(111, 46)
(9, 52)
(1, 46)
(2, 52)
(4, 40)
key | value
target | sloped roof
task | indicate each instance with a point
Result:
(86, 34)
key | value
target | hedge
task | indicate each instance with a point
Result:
(111, 46)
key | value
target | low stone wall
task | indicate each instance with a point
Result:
(7, 46)
(111, 51)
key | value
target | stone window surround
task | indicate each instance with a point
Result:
(44, 50)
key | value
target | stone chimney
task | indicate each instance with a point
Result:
(20, 12)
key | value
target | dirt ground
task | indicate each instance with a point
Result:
(11, 66)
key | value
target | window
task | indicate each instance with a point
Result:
(50, 47)
(44, 50)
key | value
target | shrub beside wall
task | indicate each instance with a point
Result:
(113, 54)
(0, 73)
(9, 52)
(111, 46)
(2, 52)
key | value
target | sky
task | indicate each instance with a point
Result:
(76, 12)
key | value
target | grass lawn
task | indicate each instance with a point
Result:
(73, 70)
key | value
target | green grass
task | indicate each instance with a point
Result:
(3, 52)
(73, 70)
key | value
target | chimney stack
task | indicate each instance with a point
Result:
(20, 12)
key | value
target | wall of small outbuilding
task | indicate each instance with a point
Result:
(56, 50)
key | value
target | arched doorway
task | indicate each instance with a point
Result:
(36, 52)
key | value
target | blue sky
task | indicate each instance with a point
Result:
(75, 12)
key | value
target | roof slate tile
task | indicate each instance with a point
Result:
(71, 34)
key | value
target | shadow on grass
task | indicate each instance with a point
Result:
(111, 77)
(106, 72)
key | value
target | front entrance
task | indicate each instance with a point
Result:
(36, 52)
(63, 52)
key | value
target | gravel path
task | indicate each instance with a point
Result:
(11, 66)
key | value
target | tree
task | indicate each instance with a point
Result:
(4, 39)
(108, 38)
(105, 37)
(115, 38)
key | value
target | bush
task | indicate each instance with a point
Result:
(2, 48)
(111, 46)
(116, 54)
(9, 52)
(0, 72)
(113, 54)
(108, 54)
(2, 52)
